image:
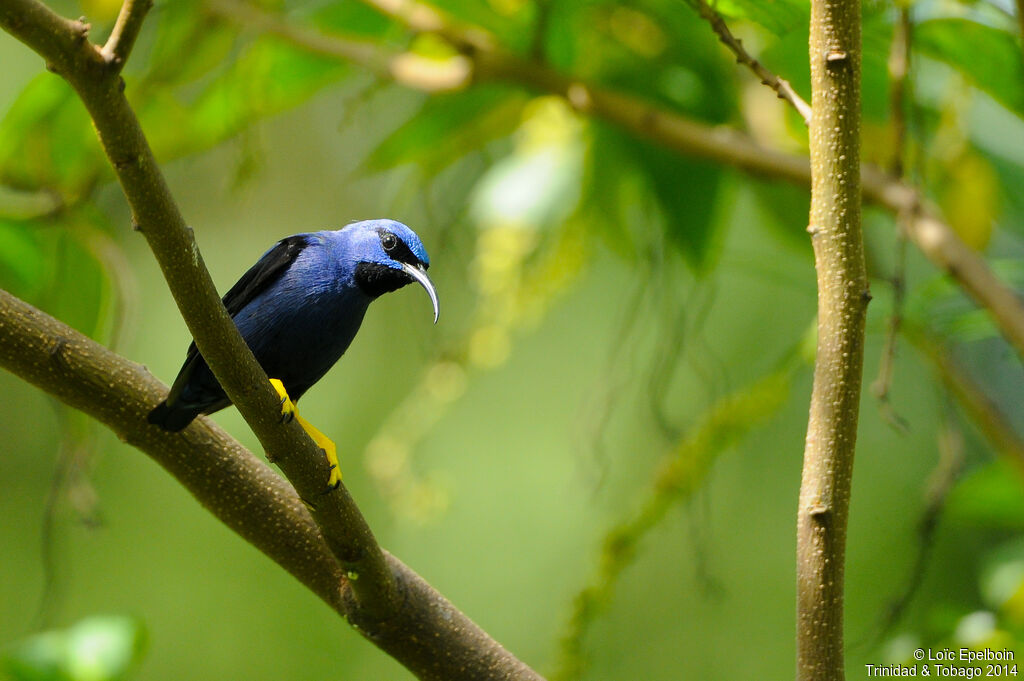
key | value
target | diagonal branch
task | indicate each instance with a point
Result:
(489, 62)
(781, 86)
(68, 51)
(122, 38)
(426, 75)
(408, 619)
(426, 633)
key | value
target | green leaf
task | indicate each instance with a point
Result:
(354, 19)
(625, 173)
(605, 191)
(1002, 574)
(21, 259)
(95, 649)
(47, 140)
(687, 192)
(188, 45)
(778, 16)
(448, 127)
(991, 496)
(268, 78)
(1011, 178)
(784, 208)
(988, 57)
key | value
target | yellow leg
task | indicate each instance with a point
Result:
(289, 411)
(324, 443)
(288, 408)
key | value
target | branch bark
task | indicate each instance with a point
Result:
(488, 61)
(126, 29)
(413, 624)
(426, 633)
(65, 46)
(835, 54)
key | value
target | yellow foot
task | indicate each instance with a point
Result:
(288, 412)
(288, 408)
(324, 443)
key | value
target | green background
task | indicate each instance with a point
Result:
(523, 474)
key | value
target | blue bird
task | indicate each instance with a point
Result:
(298, 309)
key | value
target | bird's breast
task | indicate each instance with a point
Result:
(297, 335)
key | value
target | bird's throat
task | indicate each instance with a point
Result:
(375, 279)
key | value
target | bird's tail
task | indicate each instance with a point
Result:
(172, 418)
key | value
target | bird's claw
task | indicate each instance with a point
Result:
(289, 412)
(288, 408)
(334, 481)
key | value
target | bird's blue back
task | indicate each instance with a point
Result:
(301, 325)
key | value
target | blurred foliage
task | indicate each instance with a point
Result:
(538, 219)
(95, 649)
(678, 476)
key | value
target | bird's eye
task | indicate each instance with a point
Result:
(388, 241)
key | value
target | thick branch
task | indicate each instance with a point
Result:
(842, 308)
(668, 129)
(65, 46)
(426, 633)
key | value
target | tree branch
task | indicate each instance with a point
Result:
(65, 46)
(426, 633)
(488, 61)
(899, 69)
(781, 86)
(426, 75)
(122, 38)
(1020, 21)
(835, 54)
(387, 603)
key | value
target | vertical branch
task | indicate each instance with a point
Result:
(842, 306)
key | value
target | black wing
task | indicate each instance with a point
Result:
(265, 272)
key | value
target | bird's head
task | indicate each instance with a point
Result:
(389, 255)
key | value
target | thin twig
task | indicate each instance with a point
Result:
(1020, 21)
(781, 86)
(899, 68)
(940, 484)
(985, 413)
(899, 73)
(539, 35)
(126, 30)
